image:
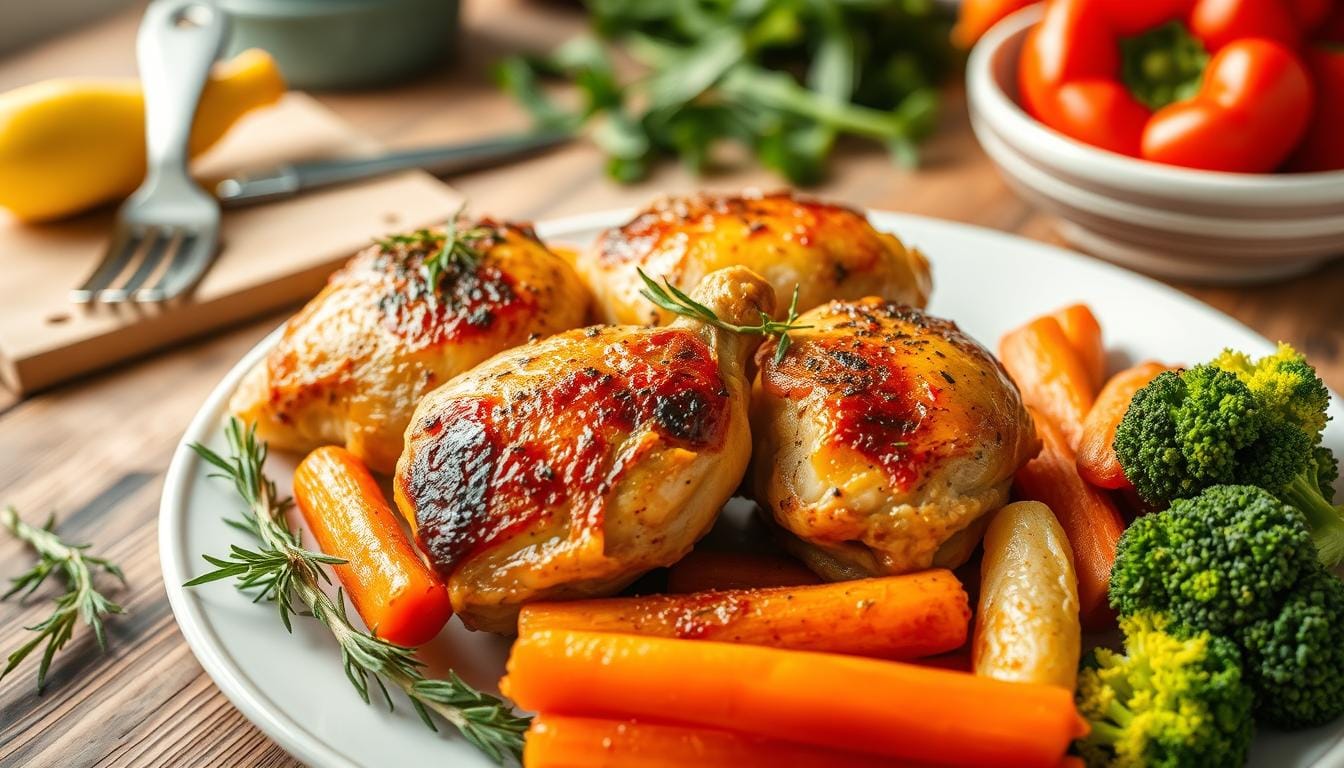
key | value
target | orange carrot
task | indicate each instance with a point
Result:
(556, 741)
(886, 708)
(400, 599)
(1088, 516)
(1051, 375)
(894, 617)
(1097, 462)
(1083, 331)
(706, 569)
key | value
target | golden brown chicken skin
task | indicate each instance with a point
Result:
(569, 466)
(828, 251)
(883, 438)
(354, 362)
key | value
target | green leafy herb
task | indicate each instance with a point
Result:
(783, 78)
(454, 248)
(82, 601)
(674, 300)
(282, 570)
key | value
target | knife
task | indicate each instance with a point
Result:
(292, 178)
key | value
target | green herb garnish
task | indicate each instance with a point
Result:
(455, 248)
(781, 78)
(282, 570)
(82, 601)
(674, 300)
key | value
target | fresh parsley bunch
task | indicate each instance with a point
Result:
(782, 78)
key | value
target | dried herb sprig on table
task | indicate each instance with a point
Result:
(81, 602)
(782, 78)
(675, 300)
(282, 570)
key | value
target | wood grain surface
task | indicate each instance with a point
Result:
(94, 451)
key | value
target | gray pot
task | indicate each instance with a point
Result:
(345, 43)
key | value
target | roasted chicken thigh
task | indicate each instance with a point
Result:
(352, 365)
(569, 466)
(882, 439)
(829, 251)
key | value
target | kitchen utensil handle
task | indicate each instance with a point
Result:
(288, 180)
(178, 42)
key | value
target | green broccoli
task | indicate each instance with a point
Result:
(1168, 702)
(1234, 422)
(1295, 659)
(1239, 563)
(1327, 471)
(1284, 382)
(1216, 562)
(1185, 431)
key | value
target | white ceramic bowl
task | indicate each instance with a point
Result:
(1173, 222)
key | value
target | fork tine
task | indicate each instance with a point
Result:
(156, 243)
(194, 254)
(125, 242)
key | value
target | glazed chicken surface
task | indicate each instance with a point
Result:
(829, 251)
(569, 466)
(882, 439)
(352, 364)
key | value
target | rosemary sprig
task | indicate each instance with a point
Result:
(456, 247)
(673, 299)
(282, 570)
(82, 602)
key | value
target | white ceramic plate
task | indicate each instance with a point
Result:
(292, 687)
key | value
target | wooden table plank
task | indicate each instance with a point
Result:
(95, 450)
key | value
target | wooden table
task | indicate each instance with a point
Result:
(95, 450)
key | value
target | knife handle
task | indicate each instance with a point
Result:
(288, 180)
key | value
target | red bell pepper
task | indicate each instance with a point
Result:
(1322, 149)
(1212, 84)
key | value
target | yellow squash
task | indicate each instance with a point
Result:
(69, 145)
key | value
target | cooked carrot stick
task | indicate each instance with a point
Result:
(556, 741)
(398, 597)
(706, 569)
(1097, 462)
(884, 708)
(894, 617)
(1090, 519)
(1083, 331)
(1050, 373)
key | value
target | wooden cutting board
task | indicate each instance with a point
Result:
(272, 256)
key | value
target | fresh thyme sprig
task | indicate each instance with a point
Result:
(673, 299)
(456, 246)
(282, 570)
(83, 601)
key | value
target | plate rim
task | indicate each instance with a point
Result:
(281, 726)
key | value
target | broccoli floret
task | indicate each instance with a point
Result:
(1207, 426)
(1216, 562)
(1237, 562)
(1327, 471)
(1284, 382)
(1170, 701)
(1295, 659)
(1183, 432)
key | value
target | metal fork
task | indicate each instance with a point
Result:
(167, 232)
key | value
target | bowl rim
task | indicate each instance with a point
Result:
(1115, 170)
(1154, 218)
(302, 10)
